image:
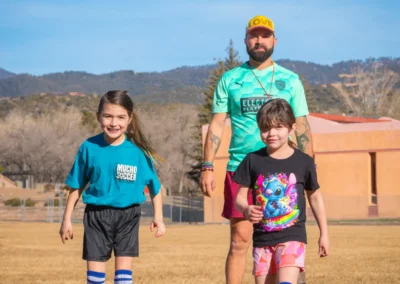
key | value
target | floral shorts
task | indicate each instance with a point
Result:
(267, 260)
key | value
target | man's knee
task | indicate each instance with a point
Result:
(239, 245)
(241, 237)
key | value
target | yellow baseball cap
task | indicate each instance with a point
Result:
(260, 22)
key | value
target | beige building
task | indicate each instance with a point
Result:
(357, 160)
(6, 182)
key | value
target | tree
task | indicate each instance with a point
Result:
(205, 113)
(369, 92)
(232, 60)
(42, 146)
(212, 81)
(89, 120)
(310, 96)
(169, 128)
(204, 117)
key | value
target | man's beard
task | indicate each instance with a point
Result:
(258, 56)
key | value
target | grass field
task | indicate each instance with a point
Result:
(33, 253)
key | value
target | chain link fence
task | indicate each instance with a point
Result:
(50, 208)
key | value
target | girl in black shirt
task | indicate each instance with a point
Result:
(279, 175)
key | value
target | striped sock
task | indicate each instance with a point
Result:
(94, 277)
(123, 277)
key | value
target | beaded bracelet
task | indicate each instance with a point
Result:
(207, 166)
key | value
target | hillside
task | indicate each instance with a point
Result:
(136, 83)
(5, 74)
(173, 84)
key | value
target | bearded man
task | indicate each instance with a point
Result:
(240, 93)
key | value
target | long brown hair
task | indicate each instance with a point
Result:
(276, 112)
(134, 131)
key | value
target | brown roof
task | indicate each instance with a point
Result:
(353, 124)
(348, 119)
(327, 123)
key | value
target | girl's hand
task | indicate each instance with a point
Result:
(323, 244)
(159, 224)
(253, 213)
(66, 231)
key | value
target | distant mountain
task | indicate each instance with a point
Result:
(317, 74)
(5, 74)
(154, 86)
(186, 95)
(136, 83)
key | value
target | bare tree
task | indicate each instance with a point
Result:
(43, 146)
(170, 129)
(369, 92)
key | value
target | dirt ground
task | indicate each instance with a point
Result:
(33, 253)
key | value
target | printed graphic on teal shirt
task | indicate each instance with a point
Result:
(252, 105)
(241, 95)
(126, 173)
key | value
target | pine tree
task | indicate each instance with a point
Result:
(233, 57)
(310, 96)
(212, 81)
(205, 114)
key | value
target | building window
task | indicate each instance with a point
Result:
(374, 192)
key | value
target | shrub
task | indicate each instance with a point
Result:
(30, 202)
(14, 202)
(48, 187)
(56, 202)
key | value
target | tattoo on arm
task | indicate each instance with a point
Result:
(303, 135)
(303, 141)
(215, 141)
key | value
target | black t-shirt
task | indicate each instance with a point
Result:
(278, 187)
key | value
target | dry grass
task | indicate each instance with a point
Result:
(33, 253)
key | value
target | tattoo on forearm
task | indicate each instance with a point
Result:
(303, 140)
(215, 141)
(303, 135)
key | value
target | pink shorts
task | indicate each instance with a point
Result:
(267, 260)
(231, 189)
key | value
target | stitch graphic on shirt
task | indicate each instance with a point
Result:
(277, 195)
(126, 172)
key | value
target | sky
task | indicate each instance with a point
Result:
(45, 36)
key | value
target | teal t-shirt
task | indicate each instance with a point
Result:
(117, 175)
(239, 94)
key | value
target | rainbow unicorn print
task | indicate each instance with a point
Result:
(277, 195)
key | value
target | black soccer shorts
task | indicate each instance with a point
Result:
(109, 228)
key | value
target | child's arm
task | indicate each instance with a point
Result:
(317, 206)
(252, 213)
(158, 215)
(66, 225)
